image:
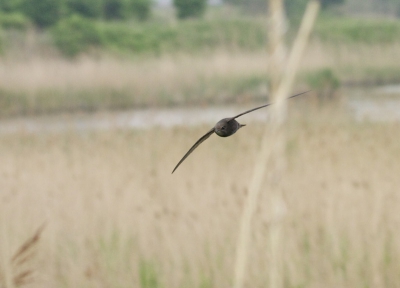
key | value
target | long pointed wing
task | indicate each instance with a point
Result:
(251, 110)
(201, 140)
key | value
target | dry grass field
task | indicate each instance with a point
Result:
(35, 84)
(37, 73)
(116, 217)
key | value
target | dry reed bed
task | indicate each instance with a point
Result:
(175, 74)
(169, 75)
(49, 85)
(115, 213)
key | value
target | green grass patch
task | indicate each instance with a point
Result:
(14, 20)
(148, 275)
(357, 30)
(1, 41)
(49, 101)
(351, 75)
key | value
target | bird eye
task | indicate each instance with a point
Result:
(223, 128)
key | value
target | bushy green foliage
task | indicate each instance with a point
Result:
(86, 8)
(151, 38)
(190, 8)
(323, 78)
(43, 13)
(110, 9)
(116, 9)
(141, 9)
(189, 36)
(9, 6)
(327, 3)
(122, 38)
(324, 82)
(76, 34)
(46, 13)
(13, 20)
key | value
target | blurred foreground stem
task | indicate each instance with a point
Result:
(272, 153)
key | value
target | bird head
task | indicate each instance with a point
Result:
(222, 128)
(227, 127)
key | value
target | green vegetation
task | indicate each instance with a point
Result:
(110, 9)
(43, 13)
(46, 13)
(348, 30)
(14, 20)
(119, 26)
(1, 42)
(86, 8)
(50, 100)
(338, 50)
(141, 9)
(294, 9)
(190, 8)
(323, 78)
(148, 275)
(75, 35)
(324, 82)
(9, 6)
(200, 35)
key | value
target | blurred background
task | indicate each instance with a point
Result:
(99, 99)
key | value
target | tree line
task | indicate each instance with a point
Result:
(46, 13)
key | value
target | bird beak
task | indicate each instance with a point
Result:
(242, 125)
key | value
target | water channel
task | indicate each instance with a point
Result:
(375, 104)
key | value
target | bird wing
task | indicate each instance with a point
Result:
(201, 140)
(251, 110)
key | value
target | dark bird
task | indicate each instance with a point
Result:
(225, 128)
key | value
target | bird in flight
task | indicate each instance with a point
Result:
(225, 128)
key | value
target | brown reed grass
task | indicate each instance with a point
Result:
(172, 72)
(39, 85)
(20, 272)
(117, 218)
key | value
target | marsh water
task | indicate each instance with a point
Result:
(375, 104)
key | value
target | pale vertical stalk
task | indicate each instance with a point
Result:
(276, 45)
(276, 161)
(277, 202)
(273, 150)
(277, 57)
(298, 49)
(376, 223)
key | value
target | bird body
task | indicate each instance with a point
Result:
(225, 128)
